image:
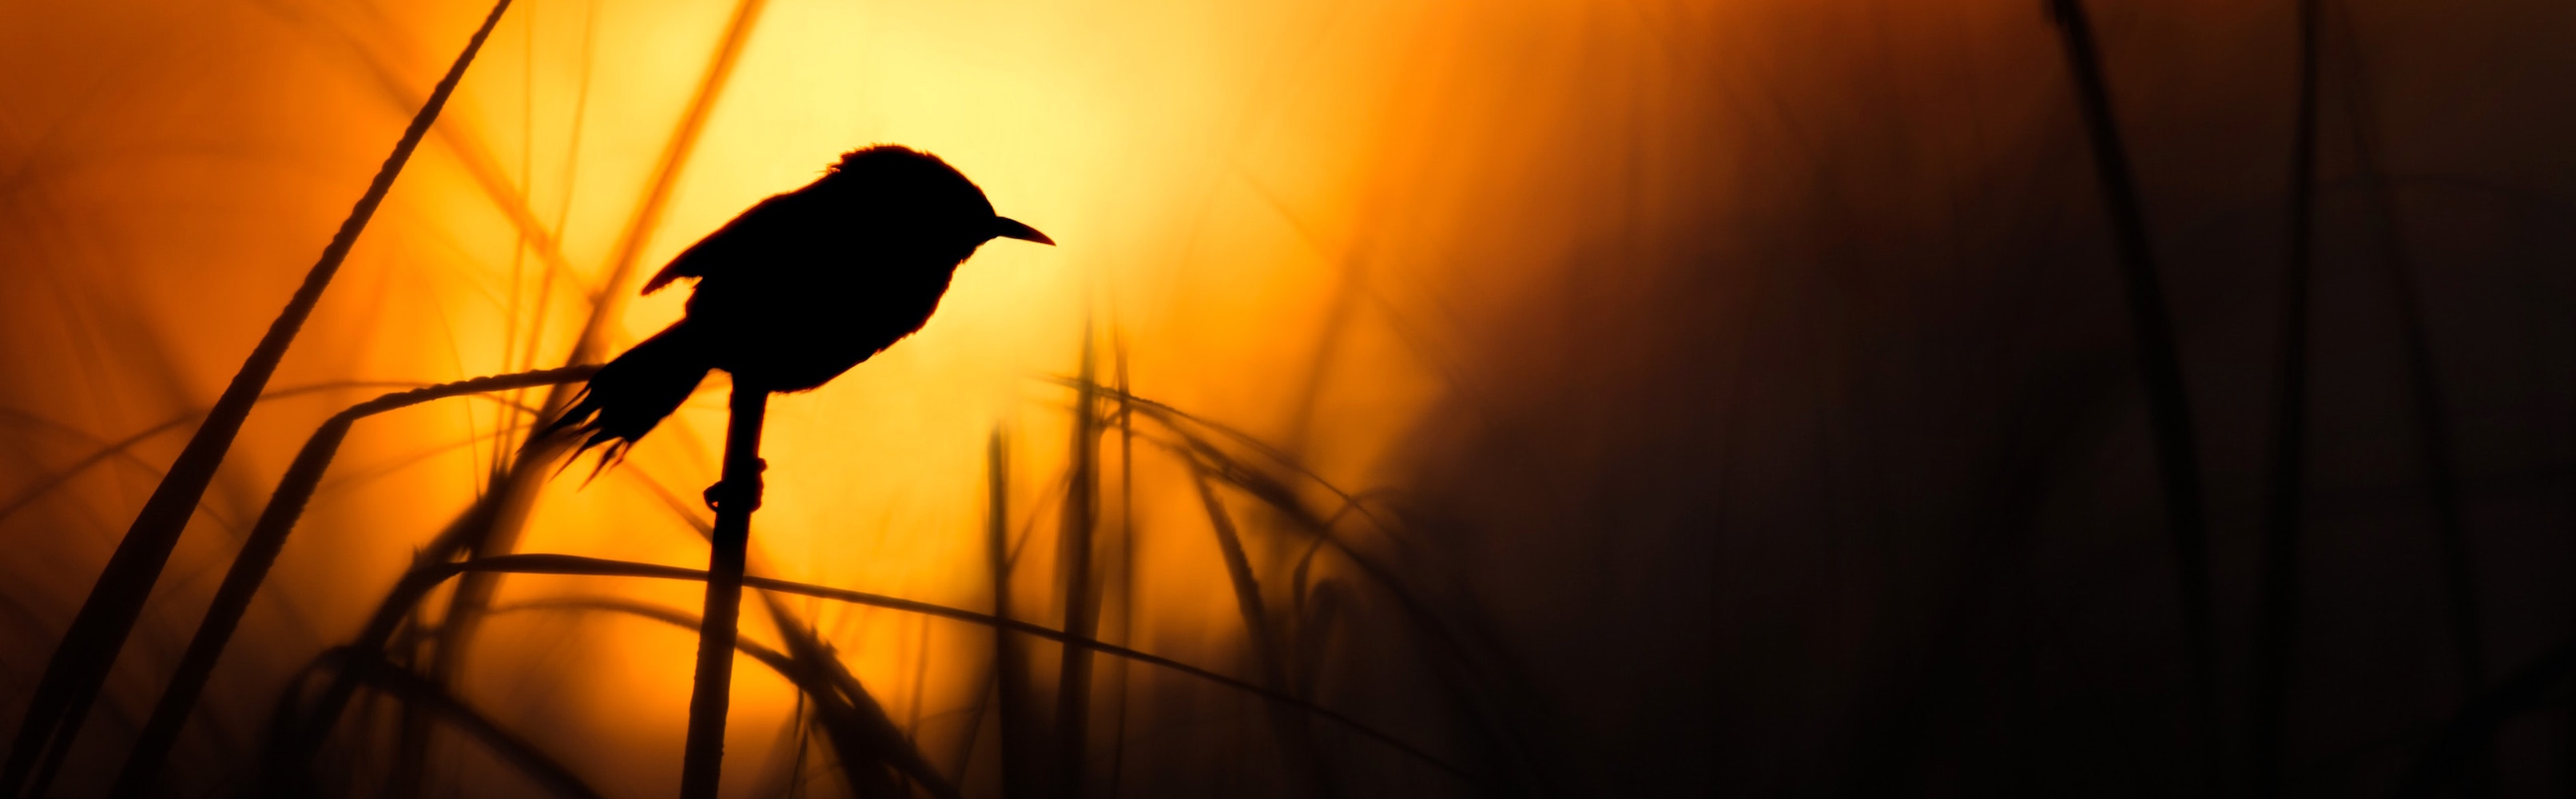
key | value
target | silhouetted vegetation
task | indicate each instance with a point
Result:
(1763, 398)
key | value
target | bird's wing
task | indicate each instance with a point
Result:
(764, 223)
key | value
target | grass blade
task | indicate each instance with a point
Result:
(1305, 764)
(496, 533)
(420, 692)
(2278, 623)
(1477, 678)
(2432, 416)
(1126, 564)
(2160, 369)
(1023, 768)
(868, 741)
(80, 663)
(422, 579)
(298, 742)
(856, 741)
(259, 552)
(666, 173)
(1081, 613)
(123, 447)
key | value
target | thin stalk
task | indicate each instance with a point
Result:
(872, 749)
(123, 447)
(1126, 556)
(1171, 418)
(2432, 416)
(421, 580)
(2278, 625)
(1479, 679)
(495, 530)
(259, 552)
(864, 737)
(555, 268)
(500, 534)
(2160, 370)
(734, 498)
(80, 663)
(1247, 587)
(1305, 764)
(855, 726)
(673, 162)
(1022, 757)
(1081, 613)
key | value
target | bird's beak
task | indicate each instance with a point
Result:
(1007, 228)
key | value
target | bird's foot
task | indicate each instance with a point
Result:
(748, 495)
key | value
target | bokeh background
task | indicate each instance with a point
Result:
(1746, 383)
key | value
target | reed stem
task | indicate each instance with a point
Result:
(2432, 414)
(2160, 370)
(2280, 591)
(80, 664)
(1023, 768)
(733, 499)
(1081, 610)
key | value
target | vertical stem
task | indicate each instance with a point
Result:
(733, 499)
(1126, 554)
(2441, 471)
(2160, 370)
(1019, 741)
(2279, 619)
(1081, 614)
(465, 606)
(80, 664)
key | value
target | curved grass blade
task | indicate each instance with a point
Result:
(867, 739)
(1306, 764)
(419, 692)
(2432, 417)
(493, 530)
(298, 750)
(80, 663)
(2278, 617)
(259, 553)
(1171, 418)
(847, 724)
(123, 447)
(2160, 371)
(1463, 653)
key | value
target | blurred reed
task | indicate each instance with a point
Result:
(80, 662)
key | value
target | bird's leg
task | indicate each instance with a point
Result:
(716, 495)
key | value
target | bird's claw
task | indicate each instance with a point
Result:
(717, 494)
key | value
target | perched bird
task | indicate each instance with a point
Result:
(799, 289)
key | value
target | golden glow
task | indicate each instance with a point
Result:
(1290, 215)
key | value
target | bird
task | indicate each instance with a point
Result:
(797, 290)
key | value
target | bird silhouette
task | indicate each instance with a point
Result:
(798, 289)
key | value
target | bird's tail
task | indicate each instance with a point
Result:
(634, 392)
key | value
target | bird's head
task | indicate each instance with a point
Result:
(919, 196)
